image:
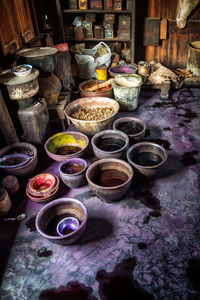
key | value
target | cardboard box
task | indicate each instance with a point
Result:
(108, 34)
(89, 34)
(108, 4)
(117, 5)
(72, 4)
(98, 32)
(129, 4)
(96, 4)
(90, 17)
(107, 25)
(124, 22)
(123, 34)
(87, 25)
(110, 18)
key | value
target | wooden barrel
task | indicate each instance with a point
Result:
(193, 59)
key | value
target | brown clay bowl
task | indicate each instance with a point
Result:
(133, 127)
(67, 138)
(113, 192)
(146, 158)
(106, 92)
(91, 127)
(24, 148)
(53, 212)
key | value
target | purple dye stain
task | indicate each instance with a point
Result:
(119, 284)
(193, 273)
(44, 252)
(160, 142)
(167, 128)
(142, 246)
(150, 201)
(188, 159)
(72, 291)
(30, 224)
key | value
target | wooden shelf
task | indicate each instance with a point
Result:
(83, 11)
(100, 40)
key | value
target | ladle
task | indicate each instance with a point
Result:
(20, 217)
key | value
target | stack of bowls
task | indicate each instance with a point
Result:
(42, 187)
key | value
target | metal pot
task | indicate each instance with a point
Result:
(42, 58)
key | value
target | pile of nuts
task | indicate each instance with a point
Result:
(93, 114)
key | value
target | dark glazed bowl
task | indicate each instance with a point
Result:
(111, 193)
(133, 127)
(105, 93)
(73, 180)
(115, 142)
(146, 158)
(23, 148)
(51, 214)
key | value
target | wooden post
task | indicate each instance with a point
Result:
(6, 124)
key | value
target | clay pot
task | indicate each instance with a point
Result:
(56, 210)
(110, 144)
(73, 180)
(106, 93)
(25, 148)
(147, 158)
(109, 193)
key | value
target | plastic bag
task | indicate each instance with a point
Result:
(87, 63)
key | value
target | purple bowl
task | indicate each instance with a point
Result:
(72, 172)
(123, 69)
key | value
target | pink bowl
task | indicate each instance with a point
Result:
(41, 184)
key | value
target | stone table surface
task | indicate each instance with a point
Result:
(147, 244)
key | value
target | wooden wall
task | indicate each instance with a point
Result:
(172, 52)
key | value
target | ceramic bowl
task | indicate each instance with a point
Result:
(107, 189)
(71, 144)
(42, 199)
(21, 148)
(51, 214)
(42, 184)
(22, 70)
(123, 69)
(110, 144)
(71, 174)
(105, 92)
(133, 127)
(146, 158)
(91, 127)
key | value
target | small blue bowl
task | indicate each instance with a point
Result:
(67, 226)
(22, 70)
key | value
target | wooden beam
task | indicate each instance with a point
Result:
(163, 29)
(193, 27)
(6, 124)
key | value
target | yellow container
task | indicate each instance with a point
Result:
(101, 72)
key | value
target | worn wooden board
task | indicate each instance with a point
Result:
(151, 32)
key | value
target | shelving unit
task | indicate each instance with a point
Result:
(64, 13)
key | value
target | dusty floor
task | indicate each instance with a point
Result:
(146, 246)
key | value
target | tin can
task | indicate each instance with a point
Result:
(11, 184)
(82, 4)
(5, 203)
(143, 68)
(101, 72)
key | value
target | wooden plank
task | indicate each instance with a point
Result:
(163, 29)
(6, 124)
(193, 27)
(151, 32)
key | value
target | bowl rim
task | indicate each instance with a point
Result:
(56, 202)
(90, 99)
(101, 161)
(19, 145)
(118, 132)
(66, 132)
(68, 161)
(134, 66)
(82, 84)
(129, 119)
(146, 144)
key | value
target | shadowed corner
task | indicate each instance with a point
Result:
(96, 229)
